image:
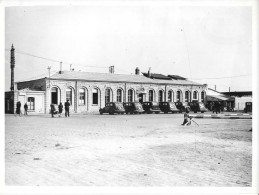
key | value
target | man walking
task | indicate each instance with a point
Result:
(60, 109)
(52, 110)
(67, 104)
(18, 108)
(25, 108)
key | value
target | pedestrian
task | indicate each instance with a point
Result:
(186, 120)
(217, 107)
(60, 109)
(67, 104)
(52, 110)
(18, 108)
(25, 108)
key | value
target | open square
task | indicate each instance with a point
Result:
(127, 150)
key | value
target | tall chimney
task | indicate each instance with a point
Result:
(60, 71)
(149, 72)
(111, 69)
(12, 68)
(137, 71)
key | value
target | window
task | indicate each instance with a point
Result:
(107, 95)
(54, 95)
(31, 103)
(202, 96)
(178, 96)
(130, 95)
(69, 95)
(160, 96)
(195, 95)
(170, 96)
(187, 96)
(95, 96)
(151, 95)
(81, 96)
(119, 95)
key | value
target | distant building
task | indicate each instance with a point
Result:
(88, 92)
(235, 100)
(240, 98)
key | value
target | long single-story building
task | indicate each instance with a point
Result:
(88, 92)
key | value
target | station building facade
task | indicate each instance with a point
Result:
(88, 92)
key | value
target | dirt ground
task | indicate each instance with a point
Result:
(127, 150)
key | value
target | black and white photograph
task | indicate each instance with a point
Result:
(131, 94)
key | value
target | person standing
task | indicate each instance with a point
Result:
(52, 110)
(67, 104)
(18, 108)
(25, 108)
(60, 109)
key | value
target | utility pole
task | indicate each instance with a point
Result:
(12, 68)
(70, 67)
(49, 67)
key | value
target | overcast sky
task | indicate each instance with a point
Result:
(194, 42)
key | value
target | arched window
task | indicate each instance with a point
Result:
(170, 96)
(178, 96)
(95, 96)
(119, 95)
(81, 96)
(202, 96)
(195, 95)
(187, 96)
(107, 95)
(160, 95)
(69, 95)
(130, 95)
(151, 95)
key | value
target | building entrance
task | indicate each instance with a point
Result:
(141, 97)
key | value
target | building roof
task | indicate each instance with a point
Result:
(157, 76)
(238, 93)
(176, 77)
(218, 98)
(109, 77)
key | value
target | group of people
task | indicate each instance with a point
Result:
(18, 108)
(60, 109)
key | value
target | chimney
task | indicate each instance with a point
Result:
(149, 73)
(111, 69)
(137, 71)
(60, 71)
(12, 68)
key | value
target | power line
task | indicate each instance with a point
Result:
(223, 77)
(53, 60)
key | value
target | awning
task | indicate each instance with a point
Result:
(214, 98)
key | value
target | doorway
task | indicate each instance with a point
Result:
(141, 97)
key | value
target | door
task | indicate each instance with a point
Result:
(141, 97)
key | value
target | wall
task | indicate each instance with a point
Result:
(39, 100)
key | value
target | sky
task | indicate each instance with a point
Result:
(210, 45)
